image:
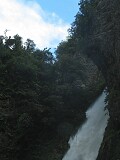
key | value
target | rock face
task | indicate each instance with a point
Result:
(108, 57)
(108, 61)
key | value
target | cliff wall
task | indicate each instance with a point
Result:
(107, 58)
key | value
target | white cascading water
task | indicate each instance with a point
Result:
(86, 143)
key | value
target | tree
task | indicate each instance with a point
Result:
(30, 45)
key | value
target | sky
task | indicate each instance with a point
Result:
(66, 9)
(44, 21)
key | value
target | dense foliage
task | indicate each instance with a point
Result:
(96, 32)
(41, 96)
(44, 96)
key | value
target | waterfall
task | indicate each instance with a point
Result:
(86, 143)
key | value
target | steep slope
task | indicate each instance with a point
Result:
(109, 14)
(96, 31)
(42, 100)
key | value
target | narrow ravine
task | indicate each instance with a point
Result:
(86, 143)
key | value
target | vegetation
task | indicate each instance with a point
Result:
(43, 98)
(96, 33)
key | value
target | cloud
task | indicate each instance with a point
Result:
(29, 20)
